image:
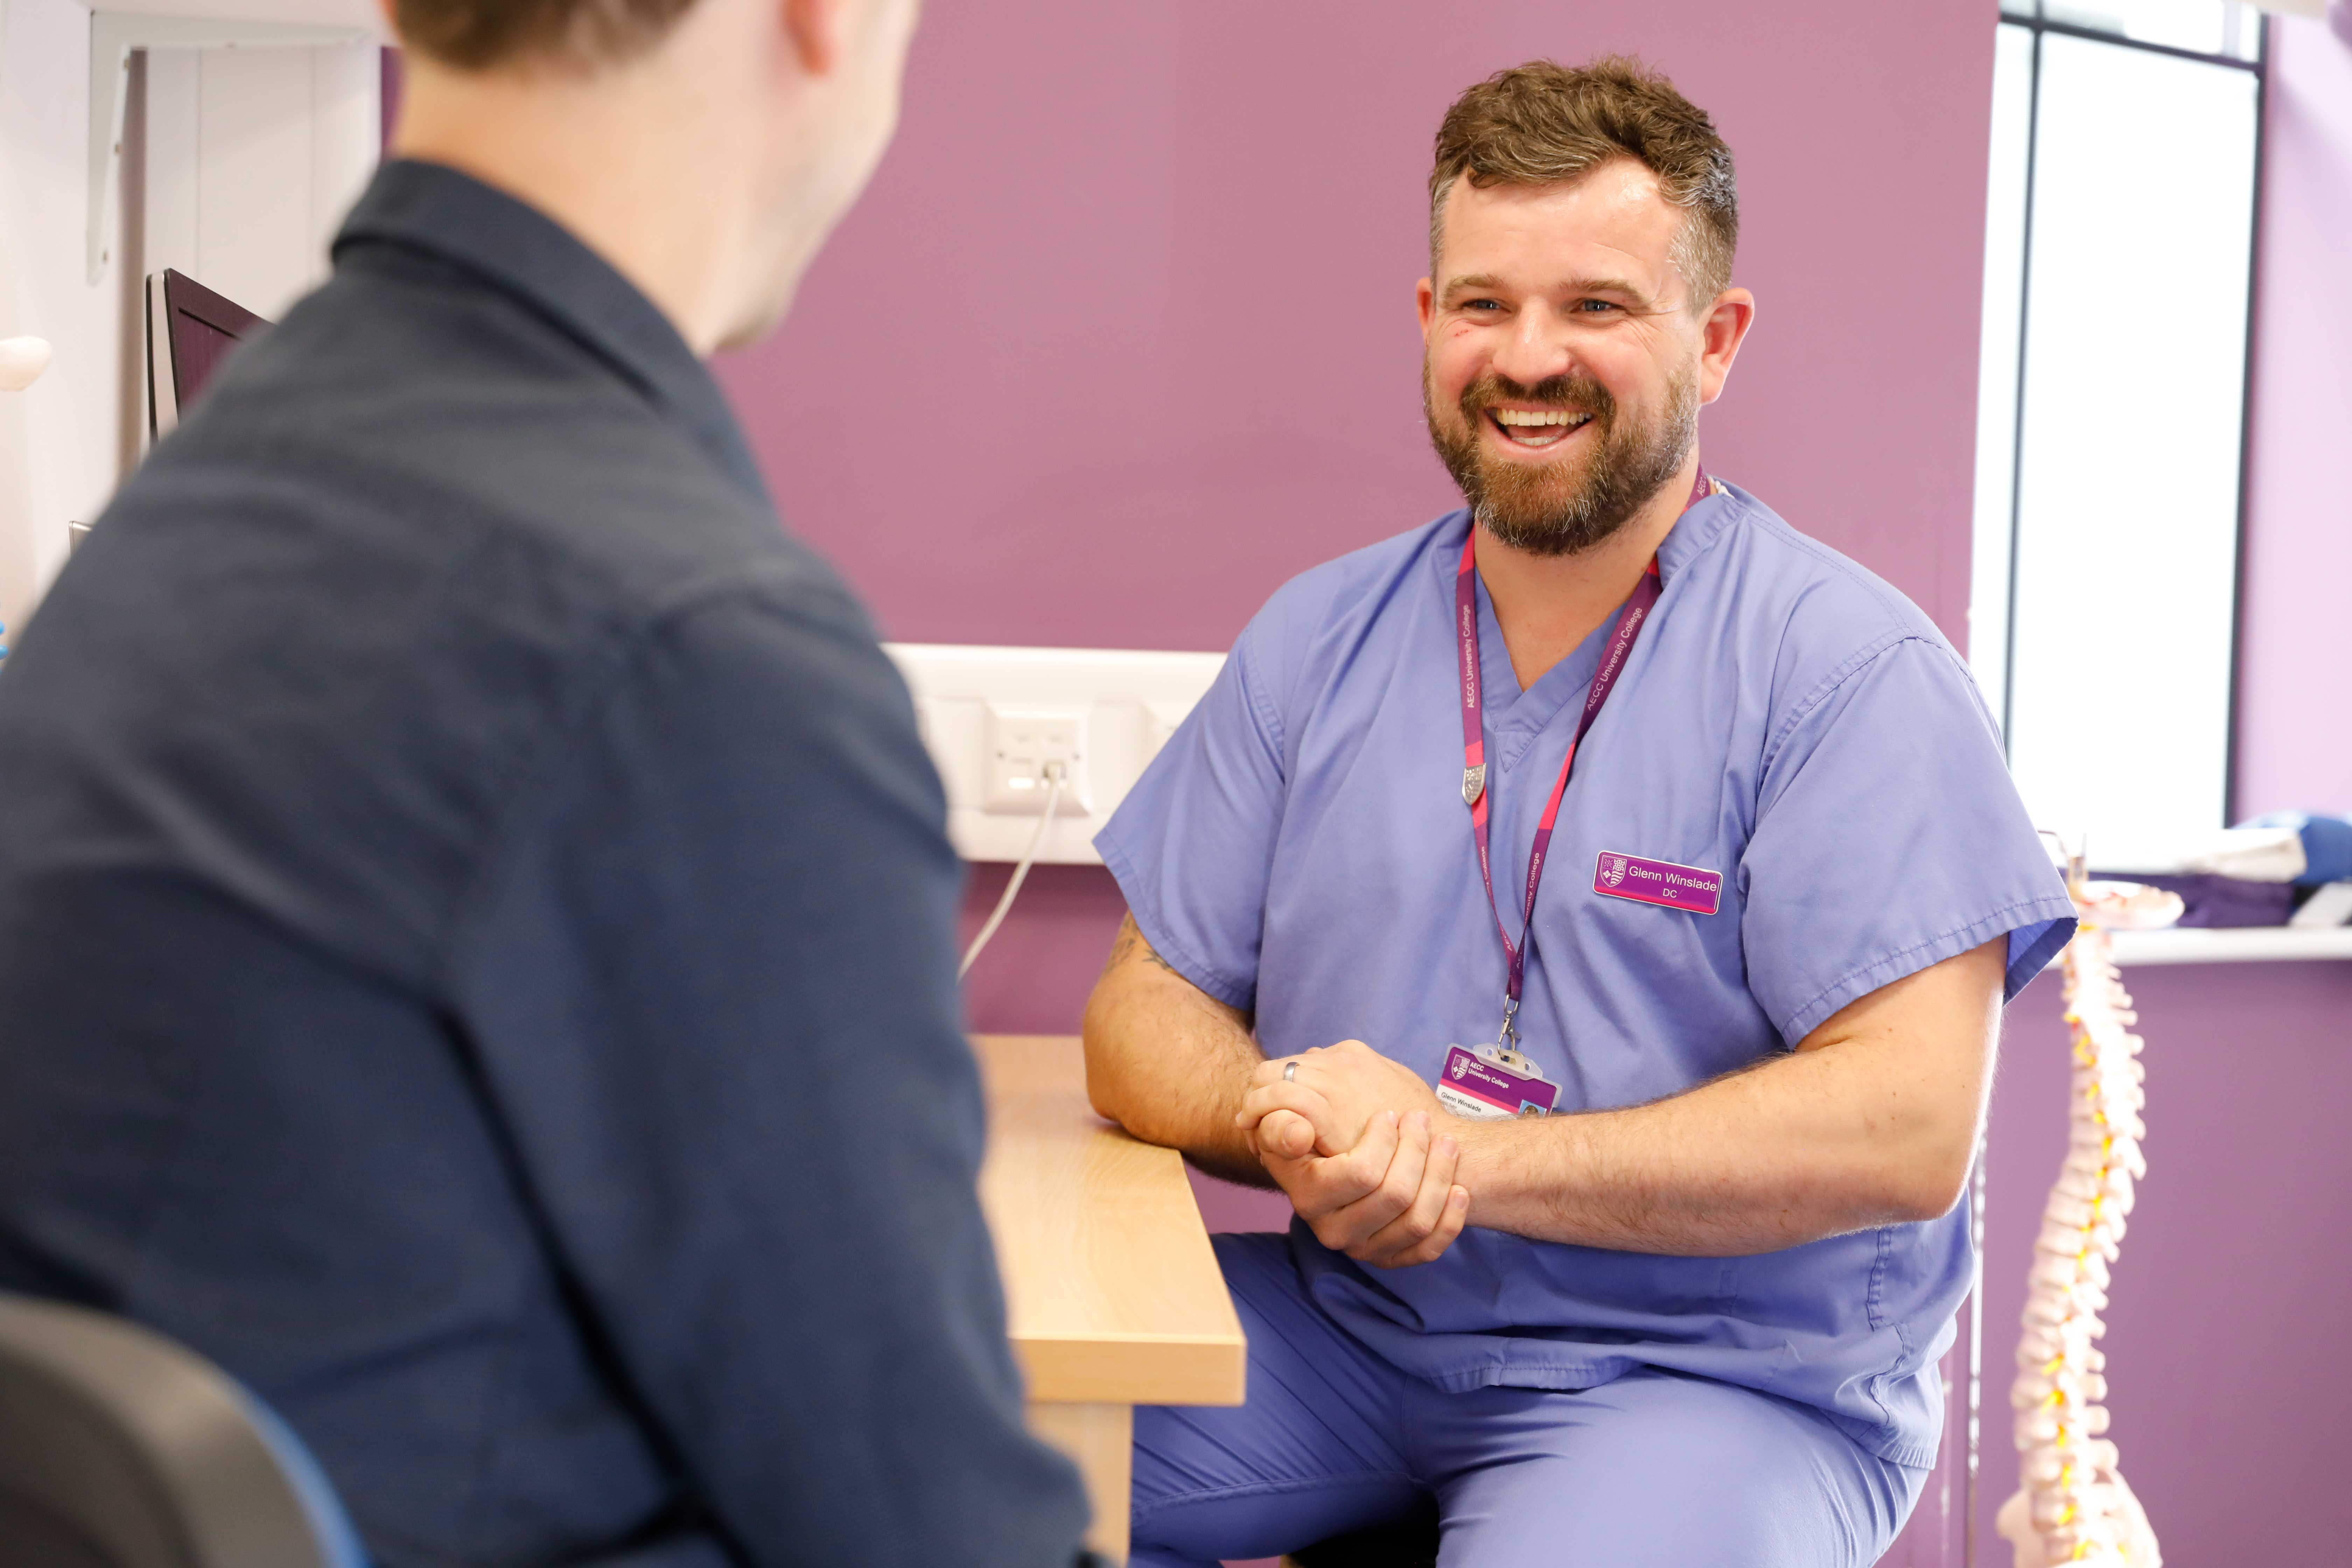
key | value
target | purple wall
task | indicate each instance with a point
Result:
(388, 99)
(1137, 279)
(1140, 278)
(1122, 337)
(2296, 639)
(2225, 1343)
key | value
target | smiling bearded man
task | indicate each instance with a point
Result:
(1626, 1197)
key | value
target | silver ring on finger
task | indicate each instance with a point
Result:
(1290, 1072)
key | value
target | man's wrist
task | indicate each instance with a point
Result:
(1494, 1164)
(1478, 1138)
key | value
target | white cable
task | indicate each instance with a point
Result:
(1053, 775)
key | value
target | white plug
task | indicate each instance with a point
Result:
(1028, 747)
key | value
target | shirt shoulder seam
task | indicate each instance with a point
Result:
(1782, 532)
(1267, 713)
(1853, 664)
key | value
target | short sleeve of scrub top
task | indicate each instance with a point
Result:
(1854, 878)
(1208, 810)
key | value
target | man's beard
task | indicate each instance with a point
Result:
(1562, 508)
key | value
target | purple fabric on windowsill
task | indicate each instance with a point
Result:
(2219, 901)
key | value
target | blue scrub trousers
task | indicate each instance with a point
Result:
(1654, 1470)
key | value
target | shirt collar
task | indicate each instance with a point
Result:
(1700, 525)
(515, 248)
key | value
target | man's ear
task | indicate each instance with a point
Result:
(814, 27)
(1724, 329)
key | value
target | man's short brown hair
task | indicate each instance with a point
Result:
(1540, 123)
(566, 34)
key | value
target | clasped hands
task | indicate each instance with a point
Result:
(1363, 1149)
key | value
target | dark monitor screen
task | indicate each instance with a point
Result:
(190, 330)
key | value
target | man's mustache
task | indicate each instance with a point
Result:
(1577, 394)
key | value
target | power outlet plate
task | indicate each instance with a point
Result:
(1023, 744)
(1127, 703)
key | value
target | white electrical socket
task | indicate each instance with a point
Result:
(1126, 703)
(1025, 744)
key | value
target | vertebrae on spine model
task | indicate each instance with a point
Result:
(2073, 1504)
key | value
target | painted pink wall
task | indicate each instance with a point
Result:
(2225, 1342)
(2293, 748)
(1122, 335)
(1122, 338)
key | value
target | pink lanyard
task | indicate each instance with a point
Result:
(1630, 621)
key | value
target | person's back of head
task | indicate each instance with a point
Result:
(704, 147)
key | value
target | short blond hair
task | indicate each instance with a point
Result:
(1540, 123)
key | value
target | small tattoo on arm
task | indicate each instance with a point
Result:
(1129, 943)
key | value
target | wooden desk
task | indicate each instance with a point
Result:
(1113, 1296)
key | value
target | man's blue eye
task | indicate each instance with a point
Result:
(1595, 305)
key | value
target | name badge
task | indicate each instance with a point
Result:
(1661, 882)
(1472, 1084)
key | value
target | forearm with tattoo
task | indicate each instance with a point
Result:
(1168, 1061)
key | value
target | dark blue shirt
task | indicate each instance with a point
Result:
(476, 947)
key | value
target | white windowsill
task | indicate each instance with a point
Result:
(2247, 945)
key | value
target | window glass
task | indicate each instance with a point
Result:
(2127, 483)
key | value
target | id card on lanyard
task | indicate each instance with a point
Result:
(1497, 1080)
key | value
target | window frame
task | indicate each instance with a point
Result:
(2029, 16)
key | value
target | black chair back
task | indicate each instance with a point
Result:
(121, 1449)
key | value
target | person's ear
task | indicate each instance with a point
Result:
(1726, 327)
(390, 11)
(814, 27)
(1425, 303)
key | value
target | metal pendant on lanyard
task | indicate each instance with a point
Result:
(1630, 621)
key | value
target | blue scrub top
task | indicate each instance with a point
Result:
(1300, 851)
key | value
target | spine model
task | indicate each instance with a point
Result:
(2073, 1504)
